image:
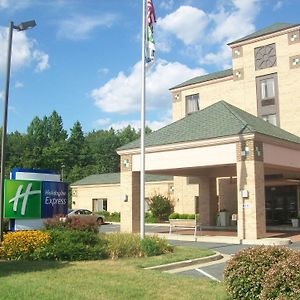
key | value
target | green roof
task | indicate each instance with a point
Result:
(267, 30)
(203, 78)
(218, 120)
(114, 178)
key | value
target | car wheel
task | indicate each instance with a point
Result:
(100, 221)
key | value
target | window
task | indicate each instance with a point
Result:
(270, 118)
(99, 204)
(267, 88)
(192, 103)
(267, 98)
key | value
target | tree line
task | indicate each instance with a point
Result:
(47, 145)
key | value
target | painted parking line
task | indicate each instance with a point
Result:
(207, 275)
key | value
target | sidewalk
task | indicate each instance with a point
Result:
(230, 236)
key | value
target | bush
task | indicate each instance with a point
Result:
(244, 274)
(110, 217)
(72, 245)
(22, 244)
(149, 218)
(182, 216)
(152, 246)
(283, 279)
(123, 245)
(130, 245)
(75, 223)
(161, 207)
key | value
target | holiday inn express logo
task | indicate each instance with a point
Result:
(22, 199)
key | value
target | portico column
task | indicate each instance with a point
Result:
(208, 204)
(130, 197)
(250, 190)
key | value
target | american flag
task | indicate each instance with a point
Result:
(150, 13)
(150, 46)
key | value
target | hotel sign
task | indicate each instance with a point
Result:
(31, 199)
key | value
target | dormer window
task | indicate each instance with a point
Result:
(192, 103)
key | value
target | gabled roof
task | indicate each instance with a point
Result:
(203, 78)
(114, 178)
(267, 30)
(218, 120)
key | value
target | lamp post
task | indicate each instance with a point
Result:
(21, 27)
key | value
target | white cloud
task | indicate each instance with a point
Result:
(154, 125)
(14, 4)
(24, 51)
(102, 122)
(182, 23)
(79, 27)
(235, 22)
(278, 5)
(19, 85)
(122, 93)
(103, 71)
(4, 4)
(167, 4)
(42, 60)
(221, 58)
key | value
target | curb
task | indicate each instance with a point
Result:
(186, 263)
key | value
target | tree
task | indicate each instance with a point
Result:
(103, 145)
(127, 135)
(79, 154)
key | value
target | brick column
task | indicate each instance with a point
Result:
(208, 204)
(250, 190)
(130, 196)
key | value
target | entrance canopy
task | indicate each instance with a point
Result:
(222, 140)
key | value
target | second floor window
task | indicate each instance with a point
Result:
(192, 103)
(267, 88)
(267, 98)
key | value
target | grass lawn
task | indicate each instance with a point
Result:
(106, 279)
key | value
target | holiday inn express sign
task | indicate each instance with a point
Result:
(32, 199)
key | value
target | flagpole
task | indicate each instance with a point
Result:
(143, 97)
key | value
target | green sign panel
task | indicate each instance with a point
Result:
(22, 199)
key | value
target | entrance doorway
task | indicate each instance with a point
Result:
(281, 204)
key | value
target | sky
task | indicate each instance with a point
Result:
(83, 59)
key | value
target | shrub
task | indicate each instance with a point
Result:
(244, 274)
(161, 207)
(130, 245)
(123, 245)
(283, 279)
(72, 245)
(115, 217)
(149, 218)
(22, 244)
(182, 216)
(110, 217)
(76, 223)
(152, 246)
(174, 215)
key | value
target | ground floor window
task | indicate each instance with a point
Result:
(99, 204)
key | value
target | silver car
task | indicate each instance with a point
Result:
(83, 213)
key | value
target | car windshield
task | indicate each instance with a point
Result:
(70, 210)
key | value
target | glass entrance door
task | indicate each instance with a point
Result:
(281, 204)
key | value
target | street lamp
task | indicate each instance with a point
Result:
(20, 27)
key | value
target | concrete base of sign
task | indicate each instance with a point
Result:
(31, 224)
